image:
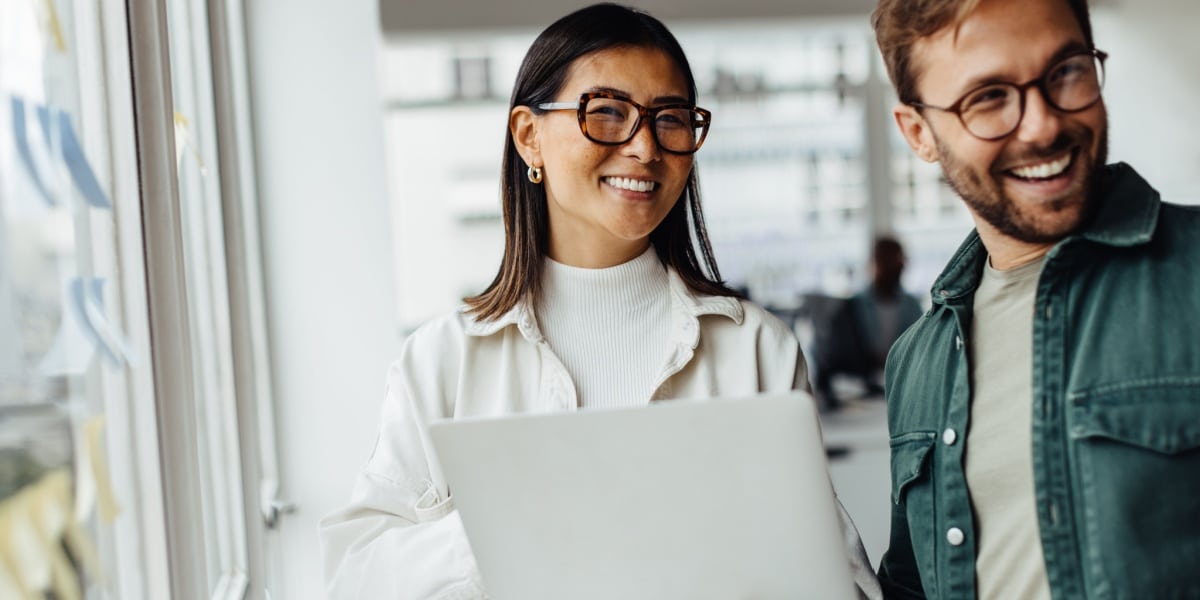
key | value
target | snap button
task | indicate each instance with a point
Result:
(949, 436)
(955, 536)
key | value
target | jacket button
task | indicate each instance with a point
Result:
(949, 437)
(955, 536)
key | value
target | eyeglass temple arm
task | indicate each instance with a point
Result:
(558, 105)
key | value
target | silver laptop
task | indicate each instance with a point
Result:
(722, 499)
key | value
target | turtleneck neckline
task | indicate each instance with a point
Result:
(610, 327)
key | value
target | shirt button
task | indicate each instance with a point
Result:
(949, 437)
(957, 343)
(955, 536)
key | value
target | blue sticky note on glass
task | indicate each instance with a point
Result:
(21, 137)
(77, 164)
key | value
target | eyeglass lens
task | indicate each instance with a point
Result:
(995, 110)
(613, 121)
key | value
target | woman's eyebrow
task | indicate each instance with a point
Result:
(624, 94)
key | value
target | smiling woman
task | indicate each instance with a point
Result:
(593, 62)
(608, 296)
(609, 181)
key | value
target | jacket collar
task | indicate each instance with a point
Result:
(520, 316)
(1127, 216)
(1128, 211)
(686, 306)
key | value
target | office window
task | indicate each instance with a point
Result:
(77, 426)
(90, 446)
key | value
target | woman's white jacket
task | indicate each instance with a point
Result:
(400, 536)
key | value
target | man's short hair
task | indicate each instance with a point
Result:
(899, 24)
(886, 247)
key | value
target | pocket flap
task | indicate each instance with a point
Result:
(1165, 419)
(909, 454)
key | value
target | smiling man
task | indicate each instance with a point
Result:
(1045, 414)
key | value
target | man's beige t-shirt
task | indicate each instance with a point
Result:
(999, 452)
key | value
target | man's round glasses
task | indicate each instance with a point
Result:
(994, 111)
(613, 120)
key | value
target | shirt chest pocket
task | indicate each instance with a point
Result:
(910, 461)
(1137, 453)
(913, 490)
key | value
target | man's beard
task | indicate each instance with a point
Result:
(985, 196)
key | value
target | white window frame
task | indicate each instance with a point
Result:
(202, 219)
(204, 275)
(134, 548)
(167, 286)
(264, 503)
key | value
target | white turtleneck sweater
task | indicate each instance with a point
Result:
(610, 327)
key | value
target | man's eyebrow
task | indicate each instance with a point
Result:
(1068, 48)
(624, 94)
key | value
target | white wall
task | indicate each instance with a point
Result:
(1151, 91)
(432, 185)
(327, 253)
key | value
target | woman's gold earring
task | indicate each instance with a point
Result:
(534, 174)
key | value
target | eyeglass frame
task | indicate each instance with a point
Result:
(1022, 91)
(643, 111)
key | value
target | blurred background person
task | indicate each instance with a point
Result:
(864, 326)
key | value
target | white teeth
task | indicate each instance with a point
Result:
(1044, 170)
(634, 185)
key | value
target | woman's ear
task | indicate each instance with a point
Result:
(524, 127)
(916, 132)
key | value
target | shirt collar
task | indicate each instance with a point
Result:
(1126, 216)
(686, 306)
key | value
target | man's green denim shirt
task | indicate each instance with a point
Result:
(1116, 411)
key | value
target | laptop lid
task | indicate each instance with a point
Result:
(721, 499)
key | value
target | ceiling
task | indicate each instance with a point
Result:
(426, 16)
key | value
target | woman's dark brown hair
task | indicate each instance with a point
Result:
(680, 240)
